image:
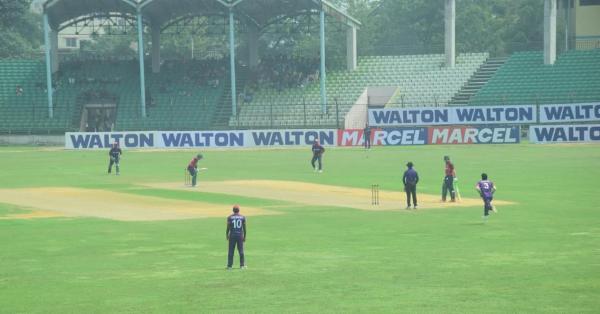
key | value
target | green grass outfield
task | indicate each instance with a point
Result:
(541, 255)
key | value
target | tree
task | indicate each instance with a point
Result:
(21, 30)
(417, 26)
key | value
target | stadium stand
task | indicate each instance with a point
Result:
(524, 79)
(183, 96)
(175, 98)
(23, 102)
(190, 94)
(485, 72)
(421, 80)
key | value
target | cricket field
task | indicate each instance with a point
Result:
(74, 239)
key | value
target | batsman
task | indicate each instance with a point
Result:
(192, 168)
(449, 177)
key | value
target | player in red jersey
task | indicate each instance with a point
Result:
(192, 168)
(448, 186)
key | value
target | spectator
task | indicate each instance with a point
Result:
(19, 90)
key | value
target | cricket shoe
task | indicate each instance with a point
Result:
(408, 207)
(243, 267)
(415, 207)
(229, 268)
(494, 209)
(320, 171)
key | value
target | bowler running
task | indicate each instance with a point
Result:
(486, 190)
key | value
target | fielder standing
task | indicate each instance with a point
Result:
(448, 185)
(236, 235)
(410, 180)
(486, 190)
(115, 156)
(192, 168)
(317, 151)
(367, 135)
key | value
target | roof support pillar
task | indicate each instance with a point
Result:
(48, 65)
(351, 48)
(322, 57)
(54, 50)
(155, 29)
(253, 37)
(140, 48)
(450, 36)
(232, 63)
(567, 22)
(549, 31)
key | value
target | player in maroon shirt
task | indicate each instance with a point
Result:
(192, 168)
(448, 186)
(236, 235)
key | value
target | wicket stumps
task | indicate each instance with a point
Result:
(374, 194)
(187, 178)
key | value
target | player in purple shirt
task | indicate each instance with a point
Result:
(486, 189)
(236, 235)
(410, 180)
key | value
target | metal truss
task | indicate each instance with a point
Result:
(111, 23)
(214, 24)
(300, 22)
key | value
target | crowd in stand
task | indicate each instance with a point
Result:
(281, 72)
(196, 72)
(182, 77)
(100, 120)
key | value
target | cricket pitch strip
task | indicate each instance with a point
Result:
(76, 202)
(321, 195)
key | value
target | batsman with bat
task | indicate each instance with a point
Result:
(192, 168)
(449, 177)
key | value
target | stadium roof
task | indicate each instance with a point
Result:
(60, 11)
(256, 12)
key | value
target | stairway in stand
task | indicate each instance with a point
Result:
(223, 111)
(476, 81)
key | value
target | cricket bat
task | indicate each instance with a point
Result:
(457, 190)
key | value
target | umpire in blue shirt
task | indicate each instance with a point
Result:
(410, 180)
